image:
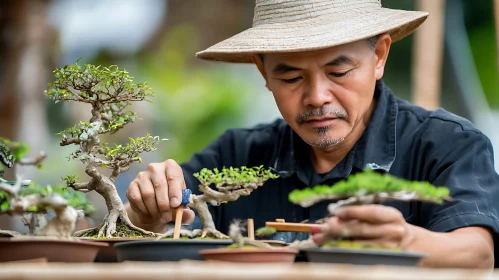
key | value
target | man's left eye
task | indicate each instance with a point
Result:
(338, 75)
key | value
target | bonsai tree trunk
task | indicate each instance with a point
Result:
(116, 210)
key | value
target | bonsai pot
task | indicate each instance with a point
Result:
(108, 253)
(362, 256)
(250, 255)
(166, 250)
(54, 250)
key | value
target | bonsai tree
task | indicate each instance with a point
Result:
(22, 197)
(236, 230)
(368, 187)
(222, 186)
(108, 91)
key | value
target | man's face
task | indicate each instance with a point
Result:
(324, 95)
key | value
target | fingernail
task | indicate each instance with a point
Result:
(316, 229)
(174, 202)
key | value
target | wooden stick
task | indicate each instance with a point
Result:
(294, 227)
(251, 229)
(178, 222)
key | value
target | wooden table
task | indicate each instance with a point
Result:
(186, 270)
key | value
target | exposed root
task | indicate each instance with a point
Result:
(302, 244)
(120, 227)
(209, 232)
(183, 233)
(89, 232)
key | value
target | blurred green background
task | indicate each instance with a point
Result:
(155, 40)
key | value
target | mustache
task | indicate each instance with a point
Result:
(321, 112)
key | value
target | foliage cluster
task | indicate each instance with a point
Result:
(76, 199)
(371, 182)
(235, 176)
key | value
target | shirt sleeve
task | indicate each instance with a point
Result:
(464, 164)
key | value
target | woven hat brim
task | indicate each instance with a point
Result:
(315, 33)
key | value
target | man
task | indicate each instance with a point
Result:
(323, 62)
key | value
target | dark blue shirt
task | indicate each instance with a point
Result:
(401, 139)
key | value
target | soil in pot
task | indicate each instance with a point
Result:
(54, 250)
(357, 253)
(249, 254)
(166, 249)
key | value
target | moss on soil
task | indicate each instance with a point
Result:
(234, 246)
(195, 238)
(356, 245)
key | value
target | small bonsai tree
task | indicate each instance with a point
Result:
(222, 186)
(236, 230)
(109, 91)
(368, 187)
(22, 197)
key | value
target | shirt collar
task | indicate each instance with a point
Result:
(376, 149)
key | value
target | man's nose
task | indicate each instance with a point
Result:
(318, 93)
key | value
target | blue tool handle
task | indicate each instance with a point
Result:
(186, 196)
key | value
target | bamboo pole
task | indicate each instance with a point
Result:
(428, 55)
(251, 229)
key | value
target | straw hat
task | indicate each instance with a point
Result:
(305, 25)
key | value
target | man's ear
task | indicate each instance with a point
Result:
(381, 51)
(259, 64)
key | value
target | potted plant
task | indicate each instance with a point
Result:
(51, 240)
(366, 187)
(245, 249)
(217, 186)
(109, 91)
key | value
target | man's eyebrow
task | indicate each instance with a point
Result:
(340, 60)
(282, 68)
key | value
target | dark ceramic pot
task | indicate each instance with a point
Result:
(108, 254)
(166, 250)
(362, 256)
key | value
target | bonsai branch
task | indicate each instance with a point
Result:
(34, 161)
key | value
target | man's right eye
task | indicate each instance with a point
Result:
(293, 80)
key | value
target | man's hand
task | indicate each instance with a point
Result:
(468, 247)
(155, 193)
(376, 224)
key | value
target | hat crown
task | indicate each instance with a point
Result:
(283, 11)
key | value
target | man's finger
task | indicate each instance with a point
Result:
(175, 181)
(372, 213)
(158, 179)
(187, 216)
(362, 230)
(149, 197)
(134, 197)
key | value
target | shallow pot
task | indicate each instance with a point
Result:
(250, 255)
(108, 254)
(166, 250)
(362, 256)
(54, 250)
